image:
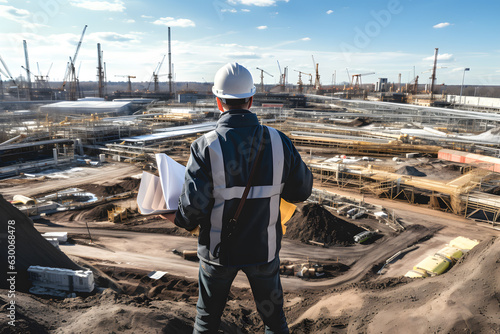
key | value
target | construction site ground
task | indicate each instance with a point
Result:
(350, 298)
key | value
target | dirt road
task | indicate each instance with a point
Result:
(109, 173)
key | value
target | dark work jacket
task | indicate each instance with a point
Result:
(216, 175)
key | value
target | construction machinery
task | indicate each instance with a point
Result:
(155, 76)
(262, 89)
(283, 76)
(317, 84)
(70, 74)
(356, 80)
(7, 70)
(100, 72)
(28, 95)
(300, 83)
(129, 89)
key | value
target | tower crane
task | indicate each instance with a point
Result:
(317, 84)
(70, 74)
(356, 79)
(300, 83)
(129, 82)
(262, 78)
(283, 74)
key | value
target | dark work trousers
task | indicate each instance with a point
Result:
(215, 283)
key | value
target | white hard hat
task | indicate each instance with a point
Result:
(233, 81)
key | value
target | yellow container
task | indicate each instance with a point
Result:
(433, 265)
(417, 273)
(451, 253)
(463, 243)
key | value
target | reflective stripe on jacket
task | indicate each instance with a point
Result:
(216, 175)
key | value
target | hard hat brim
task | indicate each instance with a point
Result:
(220, 94)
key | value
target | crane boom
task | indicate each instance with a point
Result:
(79, 44)
(8, 72)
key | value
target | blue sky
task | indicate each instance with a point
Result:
(387, 37)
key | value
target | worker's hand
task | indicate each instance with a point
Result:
(195, 231)
(170, 216)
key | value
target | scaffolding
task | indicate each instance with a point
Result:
(459, 196)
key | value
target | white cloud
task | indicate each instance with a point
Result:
(245, 10)
(116, 6)
(228, 10)
(262, 27)
(441, 25)
(14, 14)
(146, 17)
(259, 3)
(441, 57)
(114, 37)
(3, 1)
(171, 22)
(242, 55)
(305, 39)
(130, 21)
(329, 11)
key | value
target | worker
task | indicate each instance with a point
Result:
(217, 174)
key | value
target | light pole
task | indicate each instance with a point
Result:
(462, 87)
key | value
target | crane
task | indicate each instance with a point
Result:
(129, 82)
(8, 72)
(300, 79)
(70, 74)
(357, 84)
(154, 78)
(28, 95)
(317, 84)
(100, 72)
(262, 78)
(283, 74)
(433, 70)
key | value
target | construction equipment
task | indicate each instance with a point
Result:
(300, 83)
(262, 79)
(70, 74)
(356, 80)
(154, 78)
(28, 95)
(433, 76)
(317, 84)
(8, 72)
(100, 72)
(117, 215)
(283, 75)
(170, 69)
(129, 89)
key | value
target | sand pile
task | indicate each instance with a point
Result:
(128, 184)
(409, 170)
(314, 222)
(97, 213)
(30, 247)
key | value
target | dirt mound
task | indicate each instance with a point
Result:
(31, 249)
(128, 184)
(410, 170)
(99, 212)
(463, 300)
(314, 222)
